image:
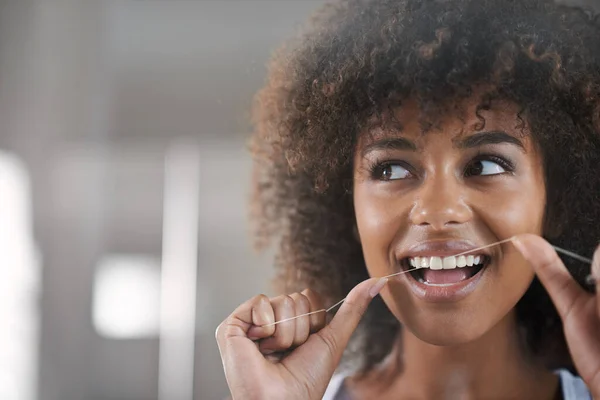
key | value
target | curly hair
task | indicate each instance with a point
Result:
(360, 58)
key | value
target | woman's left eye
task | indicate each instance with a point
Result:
(484, 167)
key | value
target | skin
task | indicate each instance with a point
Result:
(462, 349)
(445, 191)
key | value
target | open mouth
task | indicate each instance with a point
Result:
(445, 270)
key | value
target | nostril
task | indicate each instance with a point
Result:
(440, 218)
(453, 223)
(440, 206)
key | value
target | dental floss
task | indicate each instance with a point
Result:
(485, 247)
(326, 310)
(589, 280)
(571, 254)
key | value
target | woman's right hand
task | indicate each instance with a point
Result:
(294, 359)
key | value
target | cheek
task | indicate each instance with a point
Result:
(378, 223)
(514, 210)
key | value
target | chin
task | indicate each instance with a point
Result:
(444, 328)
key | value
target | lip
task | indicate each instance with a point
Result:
(447, 293)
(440, 249)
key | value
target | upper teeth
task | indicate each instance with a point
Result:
(445, 262)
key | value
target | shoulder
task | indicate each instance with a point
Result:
(573, 387)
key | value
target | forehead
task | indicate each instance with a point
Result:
(453, 120)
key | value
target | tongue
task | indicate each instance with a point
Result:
(441, 276)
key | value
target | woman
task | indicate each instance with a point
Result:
(403, 132)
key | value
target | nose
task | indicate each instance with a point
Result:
(440, 202)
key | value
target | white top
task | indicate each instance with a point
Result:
(572, 386)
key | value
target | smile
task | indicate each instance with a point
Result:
(441, 276)
(446, 271)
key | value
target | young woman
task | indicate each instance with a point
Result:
(403, 132)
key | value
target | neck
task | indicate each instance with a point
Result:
(493, 364)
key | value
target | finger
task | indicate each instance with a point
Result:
(317, 320)
(283, 307)
(596, 275)
(232, 333)
(302, 323)
(256, 311)
(562, 288)
(262, 316)
(325, 348)
(351, 311)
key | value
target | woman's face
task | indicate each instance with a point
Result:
(421, 198)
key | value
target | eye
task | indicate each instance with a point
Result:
(391, 172)
(484, 167)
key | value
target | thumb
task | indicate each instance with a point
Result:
(562, 288)
(346, 320)
(327, 345)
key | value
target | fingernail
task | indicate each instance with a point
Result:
(376, 288)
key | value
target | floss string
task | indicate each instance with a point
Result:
(589, 280)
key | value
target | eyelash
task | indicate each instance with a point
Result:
(376, 167)
(502, 161)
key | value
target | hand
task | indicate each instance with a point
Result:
(292, 360)
(578, 309)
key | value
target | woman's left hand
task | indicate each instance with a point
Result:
(578, 309)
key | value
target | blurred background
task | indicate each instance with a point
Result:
(124, 181)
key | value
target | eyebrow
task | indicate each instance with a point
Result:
(486, 138)
(476, 140)
(395, 143)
